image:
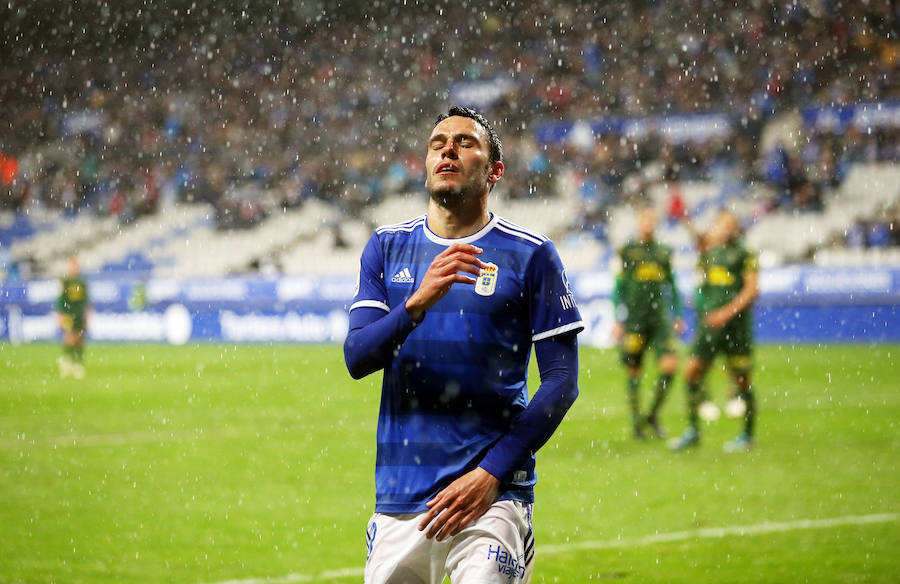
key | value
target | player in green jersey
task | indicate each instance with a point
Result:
(730, 284)
(72, 307)
(707, 409)
(644, 297)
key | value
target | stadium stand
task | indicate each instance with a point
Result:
(226, 147)
(868, 188)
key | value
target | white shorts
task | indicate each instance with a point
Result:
(497, 548)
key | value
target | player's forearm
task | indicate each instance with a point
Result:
(416, 308)
(558, 363)
(373, 338)
(744, 299)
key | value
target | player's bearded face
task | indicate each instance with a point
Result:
(457, 163)
(472, 185)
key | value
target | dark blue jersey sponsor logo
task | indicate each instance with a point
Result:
(507, 564)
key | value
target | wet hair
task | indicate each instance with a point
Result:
(496, 148)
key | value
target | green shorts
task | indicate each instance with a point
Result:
(73, 323)
(640, 336)
(734, 340)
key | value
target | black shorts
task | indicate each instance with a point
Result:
(72, 323)
(640, 336)
(734, 340)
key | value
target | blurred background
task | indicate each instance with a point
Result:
(232, 158)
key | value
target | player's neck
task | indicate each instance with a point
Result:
(456, 222)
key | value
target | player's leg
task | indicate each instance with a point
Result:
(710, 343)
(702, 354)
(78, 355)
(664, 345)
(735, 407)
(66, 360)
(399, 553)
(497, 548)
(634, 405)
(744, 440)
(67, 322)
(694, 373)
(78, 346)
(740, 363)
(632, 353)
(668, 363)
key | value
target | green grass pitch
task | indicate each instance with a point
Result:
(212, 463)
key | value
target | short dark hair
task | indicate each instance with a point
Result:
(496, 153)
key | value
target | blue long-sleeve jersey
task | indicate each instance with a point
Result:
(454, 394)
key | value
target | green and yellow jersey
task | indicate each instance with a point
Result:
(645, 287)
(722, 277)
(73, 302)
(722, 270)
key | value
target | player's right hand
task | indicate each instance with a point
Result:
(459, 504)
(443, 272)
(618, 331)
(719, 317)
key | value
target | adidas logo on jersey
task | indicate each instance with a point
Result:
(402, 277)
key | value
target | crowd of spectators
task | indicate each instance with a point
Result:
(253, 114)
(800, 179)
(879, 231)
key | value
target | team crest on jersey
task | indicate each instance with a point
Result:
(487, 281)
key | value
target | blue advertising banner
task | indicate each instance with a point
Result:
(797, 304)
(863, 116)
(675, 128)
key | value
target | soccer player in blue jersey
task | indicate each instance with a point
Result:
(449, 306)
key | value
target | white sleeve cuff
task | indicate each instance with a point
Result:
(577, 325)
(370, 304)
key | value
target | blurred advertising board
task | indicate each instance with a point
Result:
(862, 116)
(797, 304)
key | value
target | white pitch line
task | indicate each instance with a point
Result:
(292, 578)
(550, 549)
(720, 532)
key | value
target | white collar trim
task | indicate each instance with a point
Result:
(467, 239)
